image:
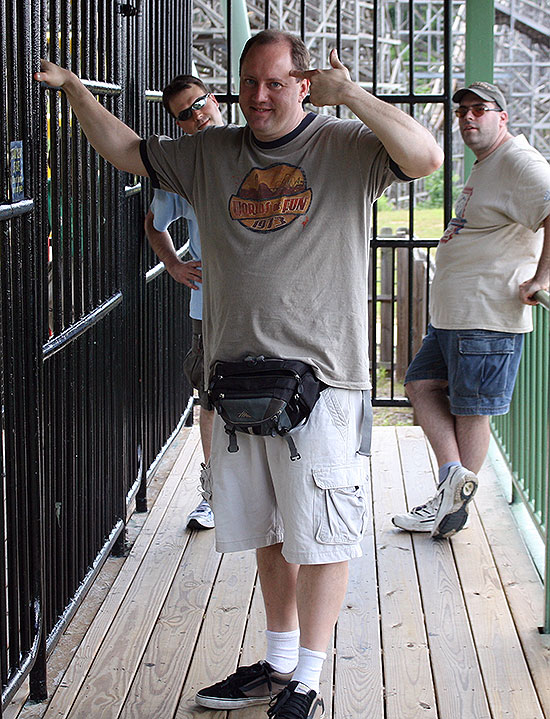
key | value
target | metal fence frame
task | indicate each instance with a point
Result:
(93, 338)
(523, 435)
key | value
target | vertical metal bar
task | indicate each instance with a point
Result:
(228, 50)
(4, 359)
(375, 12)
(447, 114)
(545, 342)
(76, 162)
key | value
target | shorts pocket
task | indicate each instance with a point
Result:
(206, 481)
(483, 364)
(339, 512)
(193, 368)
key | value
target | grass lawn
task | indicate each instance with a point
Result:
(390, 416)
(428, 223)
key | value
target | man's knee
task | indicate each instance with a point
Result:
(424, 388)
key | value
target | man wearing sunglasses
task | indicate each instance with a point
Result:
(194, 109)
(492, 259)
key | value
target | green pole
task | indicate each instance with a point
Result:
(240, 32)
(480, 20)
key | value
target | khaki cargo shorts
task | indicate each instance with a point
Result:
(315, 506)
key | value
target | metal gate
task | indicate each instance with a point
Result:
(93, 334)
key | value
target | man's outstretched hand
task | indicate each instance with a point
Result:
(52, 75)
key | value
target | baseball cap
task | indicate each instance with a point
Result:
(485, 91)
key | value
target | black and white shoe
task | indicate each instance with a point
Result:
(202, 517)
(455, 494)
(419, 519)
(297, 701)
(256, 684)
(446, 513)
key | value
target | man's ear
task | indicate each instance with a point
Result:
(304, 89)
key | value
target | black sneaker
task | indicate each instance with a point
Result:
(297, 702)
(256, 684)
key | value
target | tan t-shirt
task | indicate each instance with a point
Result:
(493, 243)
(284, 234)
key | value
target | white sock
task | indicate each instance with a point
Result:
(282, 650)
(309, 668)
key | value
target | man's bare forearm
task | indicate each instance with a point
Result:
(161, 242)
(114, 140)
(411, 146)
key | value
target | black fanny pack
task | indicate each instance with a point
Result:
(263, 396)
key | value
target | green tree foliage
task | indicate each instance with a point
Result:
(433, 184)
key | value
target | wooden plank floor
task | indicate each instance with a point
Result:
(431, 630)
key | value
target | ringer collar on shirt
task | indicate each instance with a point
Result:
(308, 119)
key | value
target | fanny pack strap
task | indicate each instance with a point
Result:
(366, 425)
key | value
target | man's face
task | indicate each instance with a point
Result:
(481, 133)
(271, 100)
(207, 116)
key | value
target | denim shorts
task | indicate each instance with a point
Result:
(480, 367)
(315, 506)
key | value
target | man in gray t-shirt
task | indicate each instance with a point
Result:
(283, 207)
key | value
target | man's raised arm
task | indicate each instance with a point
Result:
(114, 140)
(409, 145)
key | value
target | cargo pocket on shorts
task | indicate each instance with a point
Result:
(339, 511)
(483, 365)
(206, 481)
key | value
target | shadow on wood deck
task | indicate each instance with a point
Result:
(429, 629)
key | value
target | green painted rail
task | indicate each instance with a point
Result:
(524, 433)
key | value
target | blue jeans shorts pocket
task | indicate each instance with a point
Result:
(339, 504)
(483, 364)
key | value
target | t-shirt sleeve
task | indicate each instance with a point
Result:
(530, 197)
(394, 167)
(170, 163)
(166, 208)
(383, 172)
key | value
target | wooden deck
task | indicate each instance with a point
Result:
(429, 629)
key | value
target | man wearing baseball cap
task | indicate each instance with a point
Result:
(492, 259)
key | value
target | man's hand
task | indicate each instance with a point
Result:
(541, 278)
(53, 75)
(188, 273)
(528, 289)
(330, 86)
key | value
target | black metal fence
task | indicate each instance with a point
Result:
(93, 336)
(93, 333)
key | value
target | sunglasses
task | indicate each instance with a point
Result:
(477, 110)
(199, 102)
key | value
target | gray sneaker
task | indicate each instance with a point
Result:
(202, 517)
(455, 493)
(297, 701)
(419, 519)
(256, 684)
